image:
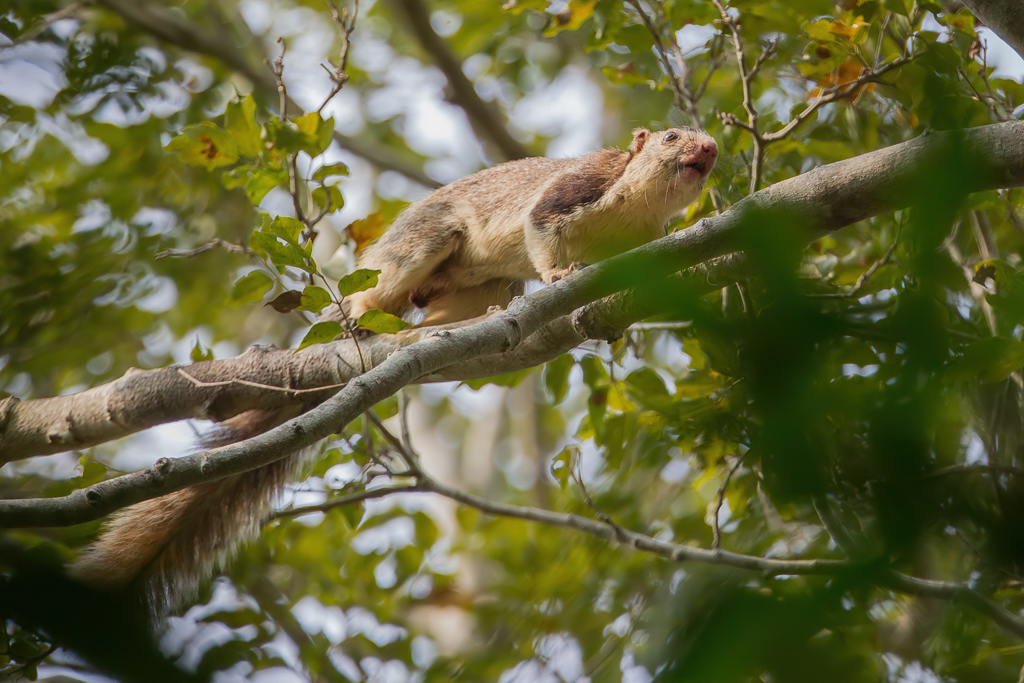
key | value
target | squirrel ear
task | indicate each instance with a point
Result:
(640, 136)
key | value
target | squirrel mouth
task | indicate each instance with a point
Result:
(700, 166)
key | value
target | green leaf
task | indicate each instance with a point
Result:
(321, 332)
(328, 170)
(352, 514)
(988, 360)
(896, 6)
(570, 18)
(556, 376)
(204, 144)
(279, 253)
(258, 181)
(287, 228)
(426, 530)
(646, 383)
(200, 353)
(287, 138)
(595, 375)
(316, 132)
(380, 322)
(286, 302)
(315, 299)
(251, 287)
(328, 197)
(561, 465)
(261, 181)
(358, 281)
(240, 123)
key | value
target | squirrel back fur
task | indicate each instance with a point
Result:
(472, 244)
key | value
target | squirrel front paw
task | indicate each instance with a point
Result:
(556, 275)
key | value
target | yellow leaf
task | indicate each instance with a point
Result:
(844, 31)
(365, 230)
(571, 18)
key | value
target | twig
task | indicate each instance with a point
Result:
(403, 419)
(344, 500)
(652, 327)
(216, 242)
(48, 20)
(269, 387)
(621, 535)
(409, 456)
(746, 79)
(837, 92)
(338, 73)
(844, 540)
(862, 280)
(881, 40)
(974, 469)
(684, 100)
(716, 528)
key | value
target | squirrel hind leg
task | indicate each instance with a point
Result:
(402, 271)
(471, 302)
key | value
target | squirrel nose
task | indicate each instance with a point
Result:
(710, 149)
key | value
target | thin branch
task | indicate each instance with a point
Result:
(957, 592)
(287, 391)
(341, 501)
(864, 277)
(215, 243)
(746, 84)
(975, 469)
(409, 456)
(716, 528)
(656, 327)
(49, 20)
(403, 419)
(682, 553)
(837, 92)
(482, 115)
(684, 100)
(338, 73)
(621, 535)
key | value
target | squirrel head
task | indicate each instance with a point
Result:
(672, 164)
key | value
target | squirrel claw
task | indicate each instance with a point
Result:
(574, 267)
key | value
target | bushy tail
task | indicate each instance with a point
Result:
(166, 547)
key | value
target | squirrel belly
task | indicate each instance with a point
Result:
(472, 244)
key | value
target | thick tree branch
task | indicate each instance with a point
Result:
(826, 198)
(483, 116)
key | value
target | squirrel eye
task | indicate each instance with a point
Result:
(671, 137)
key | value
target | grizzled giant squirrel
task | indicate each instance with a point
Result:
(464, 248)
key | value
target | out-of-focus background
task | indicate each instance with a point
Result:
(671, 430)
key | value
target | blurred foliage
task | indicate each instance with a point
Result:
(151, 197)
